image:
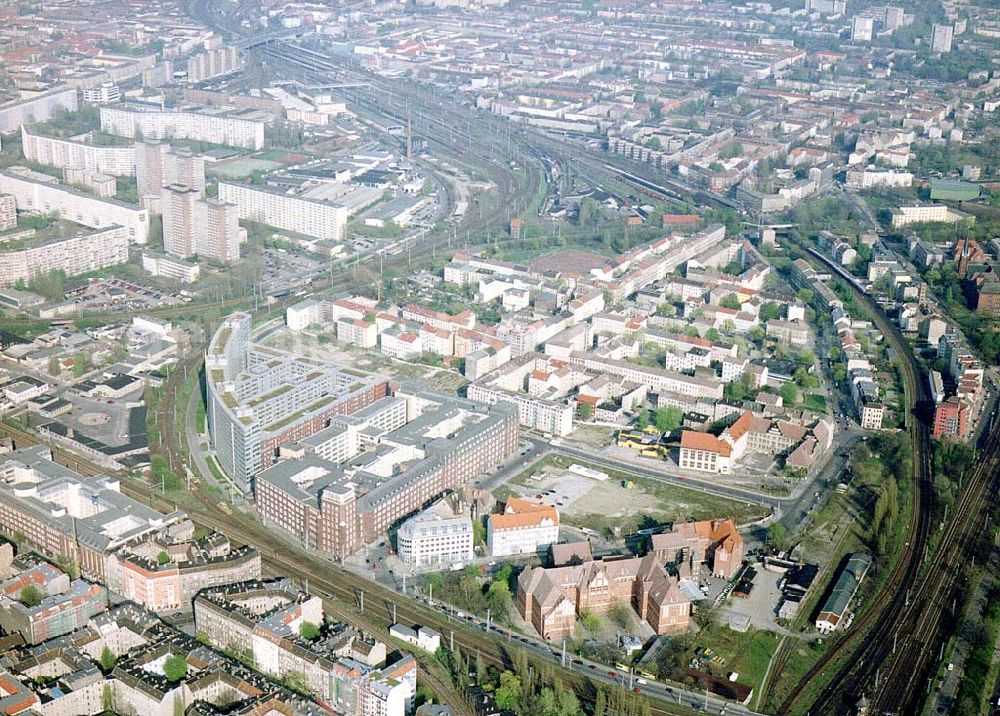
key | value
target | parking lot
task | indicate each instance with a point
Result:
(286, 270)
(114, 294)
(762, 603)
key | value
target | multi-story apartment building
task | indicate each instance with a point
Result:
(182, 166)
(81, 253)
(951, 419)
(39, 193)
(137, 684)
(65, 606)
(73, 154)
(357, 332)
(795, 333)
(547, 416)
(334, 508)
(8, 212)
(924, 213)
(167, 585)
(209, 228)
(550, 599)
(180, 220)
(262, 620)
(149, 175)
(656, 379)
(149, 123)
(260, 398)
(872, 176)
(37, 109)
(524, 527)
(219, 235)
(435, 536)
(324, 220)
(872, 413)
(214, 63)
(942, 37)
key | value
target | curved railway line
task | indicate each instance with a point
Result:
(901, 626)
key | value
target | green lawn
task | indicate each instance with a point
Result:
(748, 653)
(814, 402)
(801, 658)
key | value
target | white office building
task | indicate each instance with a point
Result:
(436, 536)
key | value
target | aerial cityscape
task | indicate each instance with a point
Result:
(490, 358)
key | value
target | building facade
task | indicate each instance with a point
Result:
(291, 213)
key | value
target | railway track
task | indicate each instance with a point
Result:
(902, 626)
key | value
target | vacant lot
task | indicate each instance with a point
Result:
(610, 508)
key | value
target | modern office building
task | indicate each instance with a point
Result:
(323, 220)
(63, 514)
(137, 121)
(435, 537)
(75, 154)
(260, 398)
(336, 507)
(170, 267)
(40, 193)
(105, 93)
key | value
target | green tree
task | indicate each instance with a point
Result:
(713, 334)
(590, 621)
(108, 660)
(31, 596)
(621, 615)
(508, 693)
(730, 301)
(669, 418)
(478, 532)
(770, 311)
(309, 631)
(789, 393)
(296, 681)
(163, 558)
(586, 410)
(54, 367)
(81, 364)
(776, 533)
(175, 667)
